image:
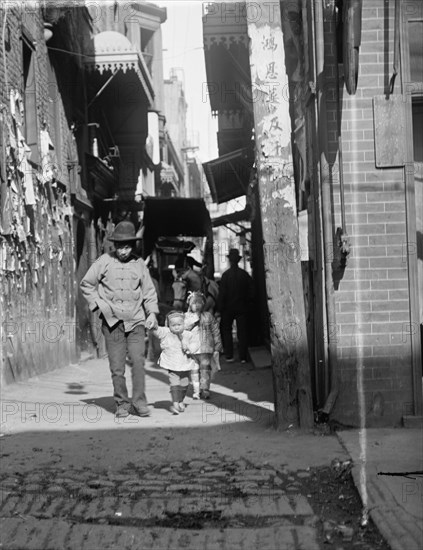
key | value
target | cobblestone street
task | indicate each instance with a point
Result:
(205, 502)
(216, 477)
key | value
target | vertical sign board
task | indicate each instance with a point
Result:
(389, 124)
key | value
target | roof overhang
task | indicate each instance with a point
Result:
(173, 217)
(229, 175)
(226, 51)
(113, 52)
(150, 9)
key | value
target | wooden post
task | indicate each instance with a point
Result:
(272, 125)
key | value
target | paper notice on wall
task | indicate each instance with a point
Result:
(303, 234)
(45, 143)
(6, 209)
(28, 182)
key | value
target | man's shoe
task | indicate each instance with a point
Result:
(181, 407)
(121, 411)
(205, 394)
(243, 361)
(141, 411)
(230, 359)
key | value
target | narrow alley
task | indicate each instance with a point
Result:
(218, 476)
(211, 275)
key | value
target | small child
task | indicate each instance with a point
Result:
(173, 341)
(205, 340)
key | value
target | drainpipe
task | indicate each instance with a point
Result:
(325, 183)
(342, 242)
(92, 256)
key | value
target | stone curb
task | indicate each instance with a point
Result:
(395, 525)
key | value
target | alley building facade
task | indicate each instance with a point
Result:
(349, 96)
(38, 177)
(82, 143)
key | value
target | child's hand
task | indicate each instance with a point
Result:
(151, 322)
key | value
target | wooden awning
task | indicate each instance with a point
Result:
(233, 217)
(229, 175)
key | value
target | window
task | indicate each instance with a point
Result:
(415, 37)
(29, 97)
(147, 46)
(418, 130)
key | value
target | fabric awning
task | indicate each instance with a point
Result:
(113, 52)
(172, 217)
(228, 176)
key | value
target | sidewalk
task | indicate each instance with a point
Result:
(63, 421)
(75, 406)
(388, 473)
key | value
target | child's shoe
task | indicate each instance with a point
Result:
(174, 408)
(196, 395)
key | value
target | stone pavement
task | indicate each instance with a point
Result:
(216, 476)
(211, 504)
(388, 472)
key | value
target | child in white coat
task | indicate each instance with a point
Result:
(204, 342)
(174, 340)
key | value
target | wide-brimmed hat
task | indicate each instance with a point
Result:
(234, 254)
(124, 231)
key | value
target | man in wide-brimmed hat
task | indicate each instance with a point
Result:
(236, 292)
(119, 285)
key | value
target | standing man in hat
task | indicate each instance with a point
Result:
(119, 285)
(236, 294)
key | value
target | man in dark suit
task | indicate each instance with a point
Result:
(236, 293)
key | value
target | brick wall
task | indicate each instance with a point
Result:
(372, 308)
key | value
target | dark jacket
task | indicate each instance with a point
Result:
(236, 291)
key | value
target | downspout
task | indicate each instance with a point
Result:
(92, 257)
(325, 183)
(342, 242)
